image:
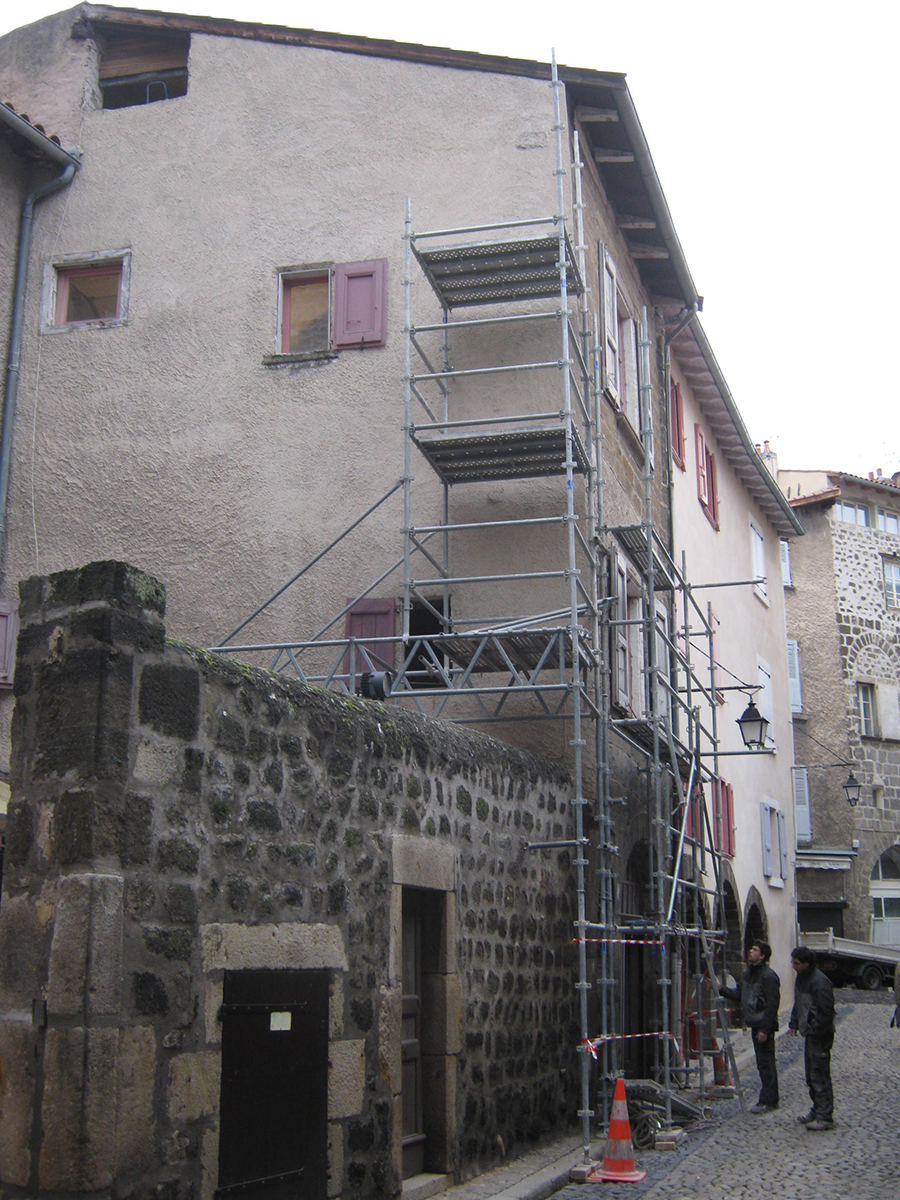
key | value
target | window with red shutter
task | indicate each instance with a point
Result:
(367, 620)
(707, 484)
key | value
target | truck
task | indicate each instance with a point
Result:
(846, 961)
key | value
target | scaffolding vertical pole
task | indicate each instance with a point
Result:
(407, 415)
(575, 644)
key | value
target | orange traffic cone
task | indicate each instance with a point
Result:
(618, 1158)
(721, 1072)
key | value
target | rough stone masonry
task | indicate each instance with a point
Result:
(177, 818)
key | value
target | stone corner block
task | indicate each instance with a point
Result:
(193, 1086)
(346, 1078)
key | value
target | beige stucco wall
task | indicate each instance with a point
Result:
(167, 441)
(750, 629)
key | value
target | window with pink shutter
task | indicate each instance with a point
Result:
(328, 307)
(367, 620)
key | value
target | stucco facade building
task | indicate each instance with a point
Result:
(730, 519)
(843, 619)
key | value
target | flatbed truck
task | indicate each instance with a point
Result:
(846, 961)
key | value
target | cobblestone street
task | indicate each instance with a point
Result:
(748, 1157)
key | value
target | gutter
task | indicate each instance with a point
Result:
(50, 150)
(702, 342)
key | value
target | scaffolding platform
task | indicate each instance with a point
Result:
(499, 272)
(509, 454)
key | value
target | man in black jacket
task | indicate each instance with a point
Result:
(813, 1017)
(760, 995)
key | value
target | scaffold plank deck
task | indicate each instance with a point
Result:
(512, 454)
(498, 272)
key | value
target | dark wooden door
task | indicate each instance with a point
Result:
(411, 1037)
(274, 1104)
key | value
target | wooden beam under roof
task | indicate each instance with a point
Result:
(604, 155)
(639, 250)
(628, 222)
(595, 115)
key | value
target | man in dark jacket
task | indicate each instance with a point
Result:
(760, 995)
(813, 1018)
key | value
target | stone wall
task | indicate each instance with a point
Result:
(175, 818)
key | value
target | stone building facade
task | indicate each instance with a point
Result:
(843, 617)
(182, 829)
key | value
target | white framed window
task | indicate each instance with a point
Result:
(802, 818)
(610, 314)
(758, 553)
(775, 850)
(892, 582)
(785, 548)
(865, 695)
(793, 661)
(86, 291)
(886, 521)
(852, 514)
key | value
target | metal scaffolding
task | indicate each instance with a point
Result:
(503, 383)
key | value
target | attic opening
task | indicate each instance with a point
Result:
(141, 66)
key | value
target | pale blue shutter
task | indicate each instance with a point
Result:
(801, 804)
(783, 845)
(793, 659)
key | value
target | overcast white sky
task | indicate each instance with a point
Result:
(774, 129)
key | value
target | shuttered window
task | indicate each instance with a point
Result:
(793, 659)
(676, 407)
(610, 313)
(785, 563)
(765, 822)
(326, 308)
(9, 632)
(801, 804)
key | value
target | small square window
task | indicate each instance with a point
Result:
(88, 294)
(89, 290)
(888, 521)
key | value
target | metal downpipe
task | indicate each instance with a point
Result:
(15, 334)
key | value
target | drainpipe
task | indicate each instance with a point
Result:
(70, 165)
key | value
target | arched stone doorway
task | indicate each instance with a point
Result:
(730, 922)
